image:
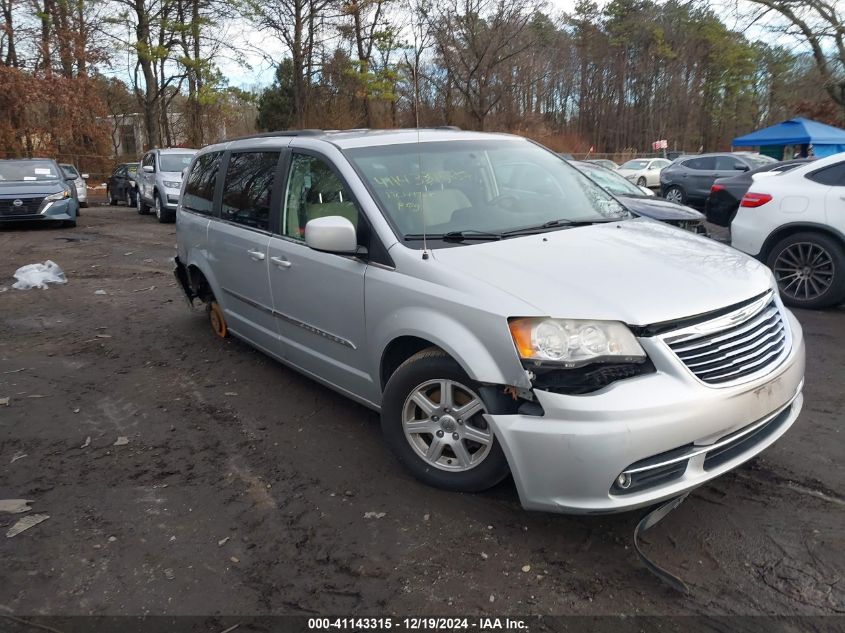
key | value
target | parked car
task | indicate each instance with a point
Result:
(122, 186)
(689, 178)
(603, 162)
(645, 172)
(36, 189)
(642, 201)
(726, 193)
(70, 171)
(159, 179)
(531, 328)
(795, 223)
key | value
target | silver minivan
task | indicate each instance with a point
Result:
(159, 179)
(498, 325)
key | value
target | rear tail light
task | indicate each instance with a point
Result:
(753, 200)
(716, 188)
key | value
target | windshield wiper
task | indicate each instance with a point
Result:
(455, 236)
(551, 224)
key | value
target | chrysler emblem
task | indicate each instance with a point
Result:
(18, 202)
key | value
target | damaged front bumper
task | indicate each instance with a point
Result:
(662, 434)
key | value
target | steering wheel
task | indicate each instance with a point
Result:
(504, 200)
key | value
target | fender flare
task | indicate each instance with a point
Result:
(454, 338)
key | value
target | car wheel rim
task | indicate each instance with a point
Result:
(158, 208)
(444, 423)
(673, 195)
(804, 271)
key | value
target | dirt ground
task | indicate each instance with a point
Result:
(244, 487)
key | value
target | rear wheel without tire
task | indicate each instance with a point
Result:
(217, 320)
(676, 194)
(432, 418)
(810, 270)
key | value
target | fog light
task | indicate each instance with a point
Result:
(624, 481)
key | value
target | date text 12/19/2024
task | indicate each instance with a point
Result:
(417, 624)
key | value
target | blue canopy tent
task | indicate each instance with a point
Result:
(825, 139)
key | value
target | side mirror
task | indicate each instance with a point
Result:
(332, 234)
(741, 167)
(148, 168)
(85, 176)
(70, 178)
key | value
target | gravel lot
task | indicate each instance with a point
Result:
(244, 487)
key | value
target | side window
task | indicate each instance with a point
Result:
(729, 163)
(199, 186)
(149, 159)
(314, 191)
(705, 163)
(833, 175)
(247, 188)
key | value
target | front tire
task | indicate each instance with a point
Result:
(432, 418)
(676, 194)
(810, 270)
(162, 214)
(641, 181)
(143, 209)
(110, 197)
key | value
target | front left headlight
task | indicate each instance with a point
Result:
(574, 342)
(172, 184)
(53, 197)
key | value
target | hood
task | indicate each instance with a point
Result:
(170, 175)
(660, 209)
(30, 189)
(637, 271)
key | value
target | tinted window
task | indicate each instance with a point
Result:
(70, 171)
(707, 162)
(314, 191)
(729, 163)
(247, 188)
(832, 175)
(199, 186)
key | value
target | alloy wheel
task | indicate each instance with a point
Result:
(158, 207)
(444, 423)
(804, 271)
(675, 195)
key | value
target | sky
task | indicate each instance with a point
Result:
(261, 51)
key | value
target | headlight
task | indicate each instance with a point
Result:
(57, 196)
(574, 342)
(172, 184)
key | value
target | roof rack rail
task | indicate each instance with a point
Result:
(307, 132)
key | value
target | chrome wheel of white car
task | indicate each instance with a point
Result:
(642, 182)
(804, 270)
(444, 424)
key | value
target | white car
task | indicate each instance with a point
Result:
(644, 172)
(78, 181)
(794, 221)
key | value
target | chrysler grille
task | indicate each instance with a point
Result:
(746, 342)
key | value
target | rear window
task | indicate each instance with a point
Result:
(199, 186)
(70, 171)
(833, 175)
(247, 188)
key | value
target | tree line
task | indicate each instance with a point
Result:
(605, 77)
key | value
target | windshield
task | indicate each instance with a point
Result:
(490, 186)
(174, 162)
(611, 181)
(70, 171)
(635, 164)
(28, 170)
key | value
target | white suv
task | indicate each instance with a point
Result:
(795, 222)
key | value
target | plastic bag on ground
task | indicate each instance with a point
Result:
(39, 275)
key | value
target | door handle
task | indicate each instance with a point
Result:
(281, 262)
(256, 255)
